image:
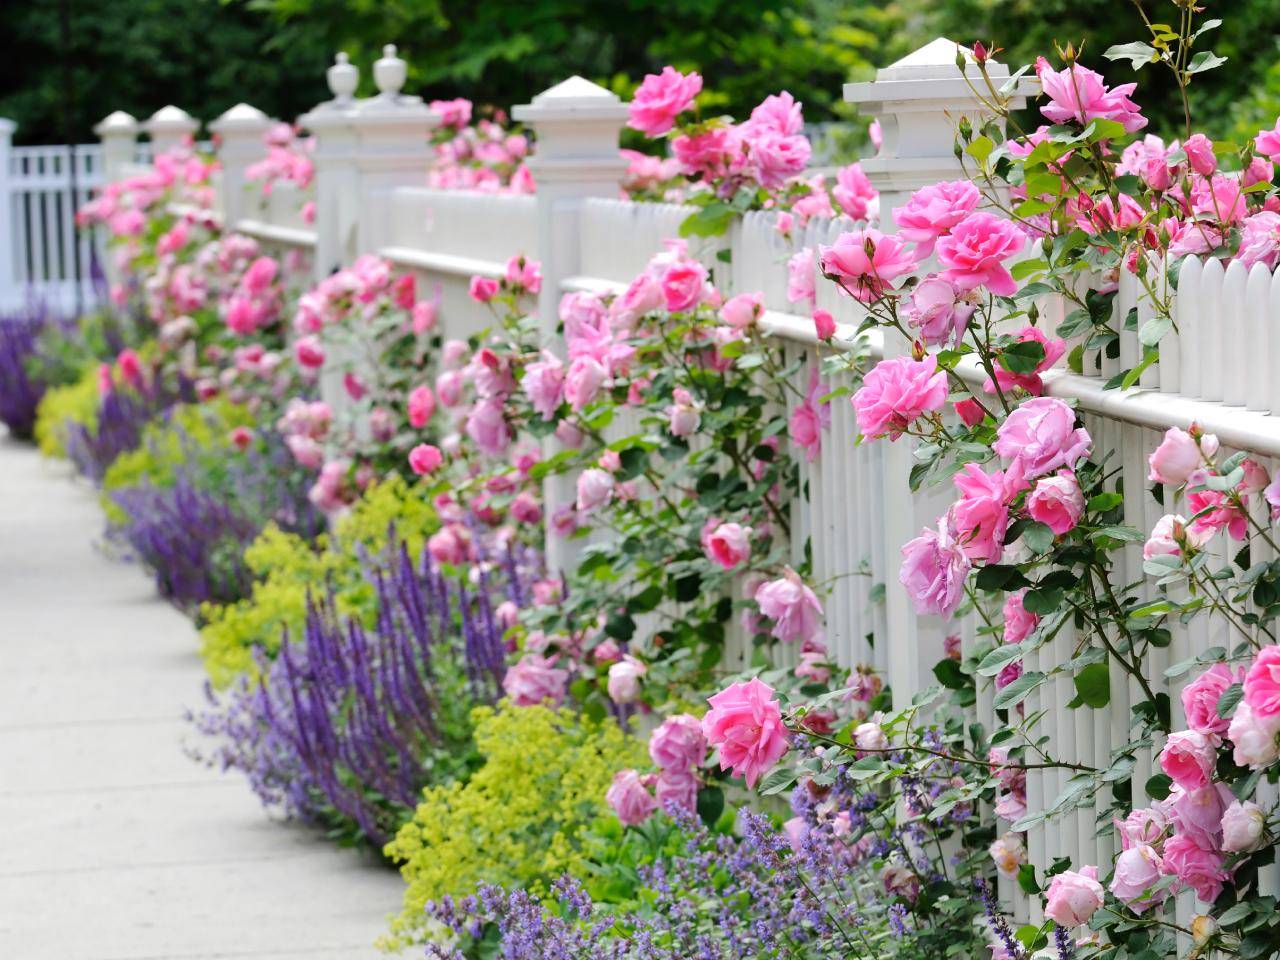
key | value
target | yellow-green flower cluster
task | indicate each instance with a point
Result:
(76, 403)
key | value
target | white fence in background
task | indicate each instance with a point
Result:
(1221, 369)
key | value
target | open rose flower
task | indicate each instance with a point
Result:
(864, 262)
(660, 98)
(1073, 897)
(729, 544)
(975, 250)
(745, 724)
(896, 392)
(932, 211)
(1078, 94)
(1041, 436)
(792, 606)
(630, 799)
(534, 680)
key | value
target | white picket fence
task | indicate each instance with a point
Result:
(1220, 369)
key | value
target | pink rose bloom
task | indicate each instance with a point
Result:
(661, 98)
(1260, 240)
(1147, 825)
(778, 113)
(1018, 621)
(969, 411)
(306, 451)
(1200, 700)
(936, 309)
(800, 283)
(864, 262)
(309, 212)
(1053, 349)
(743, 310)
(543, 383)
(1243, 827)
(679, 744)
(1201, 870)
(900, 882)
(1138, 869)
(424, 459)
(1178, 456)
(1057, 502)
(682, 285)
(792, 606)
(1009, 853)
(975, 250)
(1189, 758)
(241, 317)
(729, 544)
(629, 798)
(424, 316)
(1199, 150)
(776, 158)
(260, 275)
(933, 570)
(1083, 97)
(745, 723)
(422, 404)
(677, 790)
(595, 488)
(980, 517)
(534, 680)
(624, 679)
(525, 508)
(1041, 436)
(308, 352)
(824, 324)
(854, 192)
(130, 367)
(450, 544)
(1073, 897)
(488, 428)
(583, 381)
(897, 392)
(1212, 511)
(932, 211)
(449, 388)
(1254, 737)
(711, 153)
(1262, 683)
(524, 274)
(483, 289)
(1197, 814)
(1171, 535)
(684, 416)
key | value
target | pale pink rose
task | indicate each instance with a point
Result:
(933, 570)
(745, 723)
(776, 158)
(1041, 436)
(932, 211)
(1171, 536)
(682, 285)
(1147, 825)
(1138, 869)
(306, 451)
(1200, 700)
(729, 544)
(684, 415)
(1189, 758)
(309, 212)
(679, 743)
(1011, 805)
(424, 459)
(1018, 621)
(1078, 94)
(422, 404)
(870, 737)
(813, 667)
(824, 324)
(1201, 870)
(1053, 348)
(1254, 737)
(488, 428)
(900, 882)
(543, 383)
(796, 829)
(792, 606)
(1243, 827)
(661, 98)
(778, 113)
(896, 392)
(1262, 683)
(624, 679)
(450, 544)
(1199, 151)
(865, 262)
(595, 488)
(1197, 813)
(1177, 457)
(936, 309)
(524, 274)
(677, 790)
(449, 388)
(1057, 502)
(854, 192)
(743, 310)
(1073, 897)
(800, 282)
(1009, 853)
(975, 250)
(583, 381)
(980, 517)
(308, 352)
(629, 798)
(425, 315)
(534, 680)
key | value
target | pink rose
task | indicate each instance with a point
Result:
(422, 404)
(824, 325)
(896, 392)
(1147, 825)
(583, 381)
(449, 388)
(308, 352)
(1200, 700)
(792, 606)
(629, 798)
(1041, 436)
(450, 544)
(524, 274)
(483, 289)
(743, 310)
(900, 882)
(1177, 457)
(1073, 897)
(1201, 870)
(800, 284)
(424, 459)
(933, 570)
(854, 192)
(932, 211)
(864, 262)
(543, 383)
(975, 250)
(684, 416)
(981, 516)
(1137, 871)
(776, 157)
(1171, 536)
(1243, 826)
(425, 315)
(936, 310)
(745, 723)
(682, 285)
(1199, 151)
(1018, 621)
(1268, 143)
(1057, 502)
(1254, 737)
(1262, 683)
(1197, 814)
(488, 428)
(1053, 349)
(534, 680)
(624, 679)
(595, 488)
(729, 544)
(661, 98)
(259, 276)
(679, 743)
(1077, 94)
(870, 738)
(525, 508)
(1189, 758)
(1009, 853)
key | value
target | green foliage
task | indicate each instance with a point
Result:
(76, 402)
(286, 566)
(522, 819)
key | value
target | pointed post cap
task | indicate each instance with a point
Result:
(575, 98)
(170, 121)
(931, 73)
(343, 78)
(242, 118)
(118, 123)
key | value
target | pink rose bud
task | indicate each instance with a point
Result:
(483, 289)
(624, 679)
(824, 324)
(1243, 826)
(743, 310)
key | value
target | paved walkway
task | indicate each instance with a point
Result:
(113, 844)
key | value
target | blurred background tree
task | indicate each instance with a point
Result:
(205, 55)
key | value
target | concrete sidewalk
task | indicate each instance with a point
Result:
(113, 844)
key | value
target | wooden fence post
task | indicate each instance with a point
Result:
(240, 131)
(10, 295)
(118, 133)
(337, 206)
(168, 127)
